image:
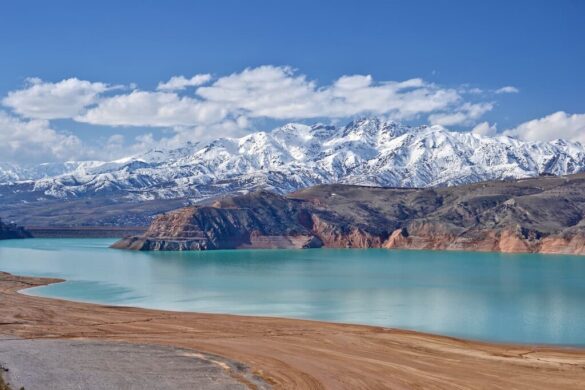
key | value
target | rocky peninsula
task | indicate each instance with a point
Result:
(538, 215)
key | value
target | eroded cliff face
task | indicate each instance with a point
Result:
(259, 220)
(542, 215)
(437, 237)
(335, 235)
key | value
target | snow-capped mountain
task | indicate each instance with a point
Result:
(367, 151)
(14, 173)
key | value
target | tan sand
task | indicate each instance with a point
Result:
(300, 354)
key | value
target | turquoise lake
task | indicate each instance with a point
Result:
(527, 298)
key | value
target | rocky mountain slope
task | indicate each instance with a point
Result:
(542, 214)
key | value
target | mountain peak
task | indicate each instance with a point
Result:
(367, 151)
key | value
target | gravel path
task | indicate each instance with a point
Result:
(71, 364)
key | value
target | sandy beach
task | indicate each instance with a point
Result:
(289, 353)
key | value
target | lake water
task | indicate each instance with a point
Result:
(489, 296)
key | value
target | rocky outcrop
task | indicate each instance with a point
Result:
(543, 215)
(259, 220)
(437, 237)
(10, 230)
(334, 235)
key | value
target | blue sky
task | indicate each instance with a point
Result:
(536, 47)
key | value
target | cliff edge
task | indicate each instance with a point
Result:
(540, 215)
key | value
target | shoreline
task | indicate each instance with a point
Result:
(580, 347)
(291, 353)
(113, 232)
(470, 250)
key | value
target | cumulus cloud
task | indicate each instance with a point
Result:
(34, 141)
(281, 93)
(484, 128)
(157, 109)
(46, 100)
(507, 89)
(264, 91)
(203, 107)
(465, 114)
(553, 126)
(273, 92)
(177, 83)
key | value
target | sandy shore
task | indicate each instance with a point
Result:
(299, 354)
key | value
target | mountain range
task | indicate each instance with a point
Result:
(368, 151)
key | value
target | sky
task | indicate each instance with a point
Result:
(106, 79)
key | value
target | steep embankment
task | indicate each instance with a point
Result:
(543, 215)
(258, 220)
(10, 230)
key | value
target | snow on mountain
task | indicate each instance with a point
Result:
(14, 173)
(367, 151)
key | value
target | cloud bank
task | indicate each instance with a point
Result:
(203, 106)
(273, 92)
(551, 127)
(35, 141)
(45, 100)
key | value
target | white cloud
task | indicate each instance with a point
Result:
(264, 91)
(484, 128)
(353, 82)
(46, 100)
(280, 93)
(230, 104)
(34, 141)
(177, 83)
(553, 126)
(507, 89)
(466, 114)
(158, 109)
(271, 92)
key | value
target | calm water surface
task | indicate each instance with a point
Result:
(498, 297)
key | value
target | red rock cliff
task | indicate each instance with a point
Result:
(542, 215)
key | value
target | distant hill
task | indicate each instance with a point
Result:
(542, 214)
(10, 230)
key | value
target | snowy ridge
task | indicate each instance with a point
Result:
(367, 151)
